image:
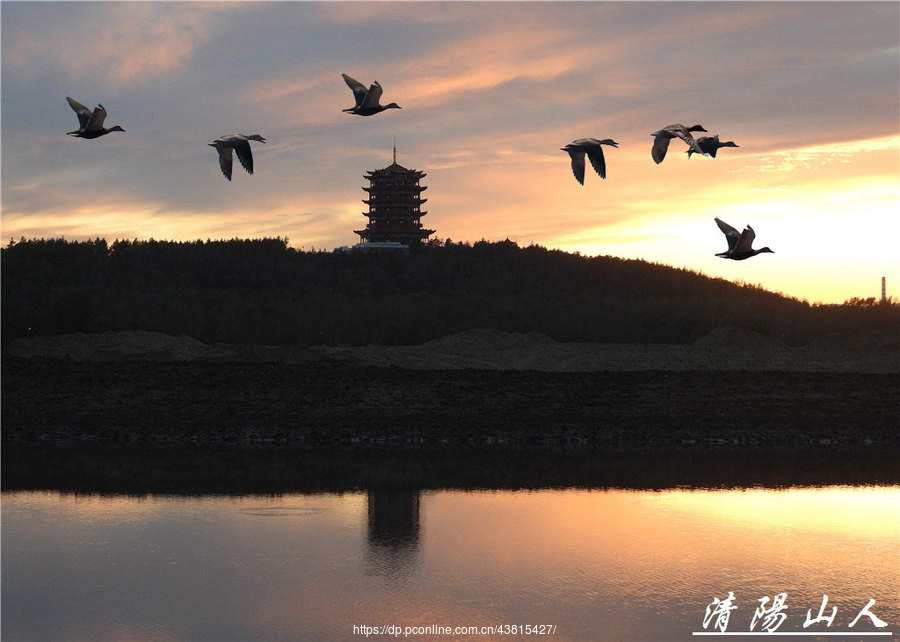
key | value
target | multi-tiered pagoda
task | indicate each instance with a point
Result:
(394, 207)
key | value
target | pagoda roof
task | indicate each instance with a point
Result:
(394, 168)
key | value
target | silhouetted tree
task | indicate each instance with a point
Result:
(261, 291)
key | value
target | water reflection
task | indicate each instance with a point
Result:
(601, 564)
(393, 530)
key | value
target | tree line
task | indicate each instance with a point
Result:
(262, 291)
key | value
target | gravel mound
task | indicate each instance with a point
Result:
(489, 338)
(734, 337)
(112, 346)
(724, 349)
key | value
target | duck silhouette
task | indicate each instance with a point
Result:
(710, 145)
(591, 147)
(90, 123)
(240, 144)
(662, 137)
(739, 243)
(367, 100)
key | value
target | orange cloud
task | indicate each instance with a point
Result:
(477, 62)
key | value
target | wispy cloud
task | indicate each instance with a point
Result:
(121, 42)
(490, 92)
(815, 156)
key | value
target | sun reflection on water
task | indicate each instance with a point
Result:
(606, 564)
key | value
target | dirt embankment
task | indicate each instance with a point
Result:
(325, 404)
(480, 388)
(723, 349)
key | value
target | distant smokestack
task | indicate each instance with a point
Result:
(883, 290)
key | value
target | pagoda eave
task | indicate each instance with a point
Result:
(381, 201)
(416, 215)
(380, 173)
(413, 189)
(379, 231)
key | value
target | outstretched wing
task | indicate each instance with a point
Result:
(359, 90)
(97, 118)
(745, 243)
(83, 113)
(577, 164)
(242, 149)
(731, 234)
(660, 147)
(691, 142)
(373, 95)
(224, 160)
(598, 161)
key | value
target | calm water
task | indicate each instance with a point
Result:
(599, 565)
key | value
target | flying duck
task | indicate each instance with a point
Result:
(90, 124)
(710, 145)
(241, 146)
(592, 147)
(739, 243)
(662, 137)
(366, 99)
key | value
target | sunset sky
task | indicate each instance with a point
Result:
(490, 92)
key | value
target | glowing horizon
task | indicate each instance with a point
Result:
(487, 103)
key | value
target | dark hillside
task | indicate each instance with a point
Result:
(264, 292)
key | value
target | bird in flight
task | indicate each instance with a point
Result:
(90, 123)
(592, 148)
(710, 145)
(241, 146)
(739, 243)
(662, 137)
(367, 100)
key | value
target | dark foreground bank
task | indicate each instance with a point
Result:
(326, 404)
(266, 469)
(143, 426)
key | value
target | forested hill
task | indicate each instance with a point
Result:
(264, 292)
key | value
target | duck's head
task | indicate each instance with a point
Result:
(115, 128)
(729, 143)
(393, 106)
(610, 142)
(766, 250)
(256, 137)
(697, 128)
